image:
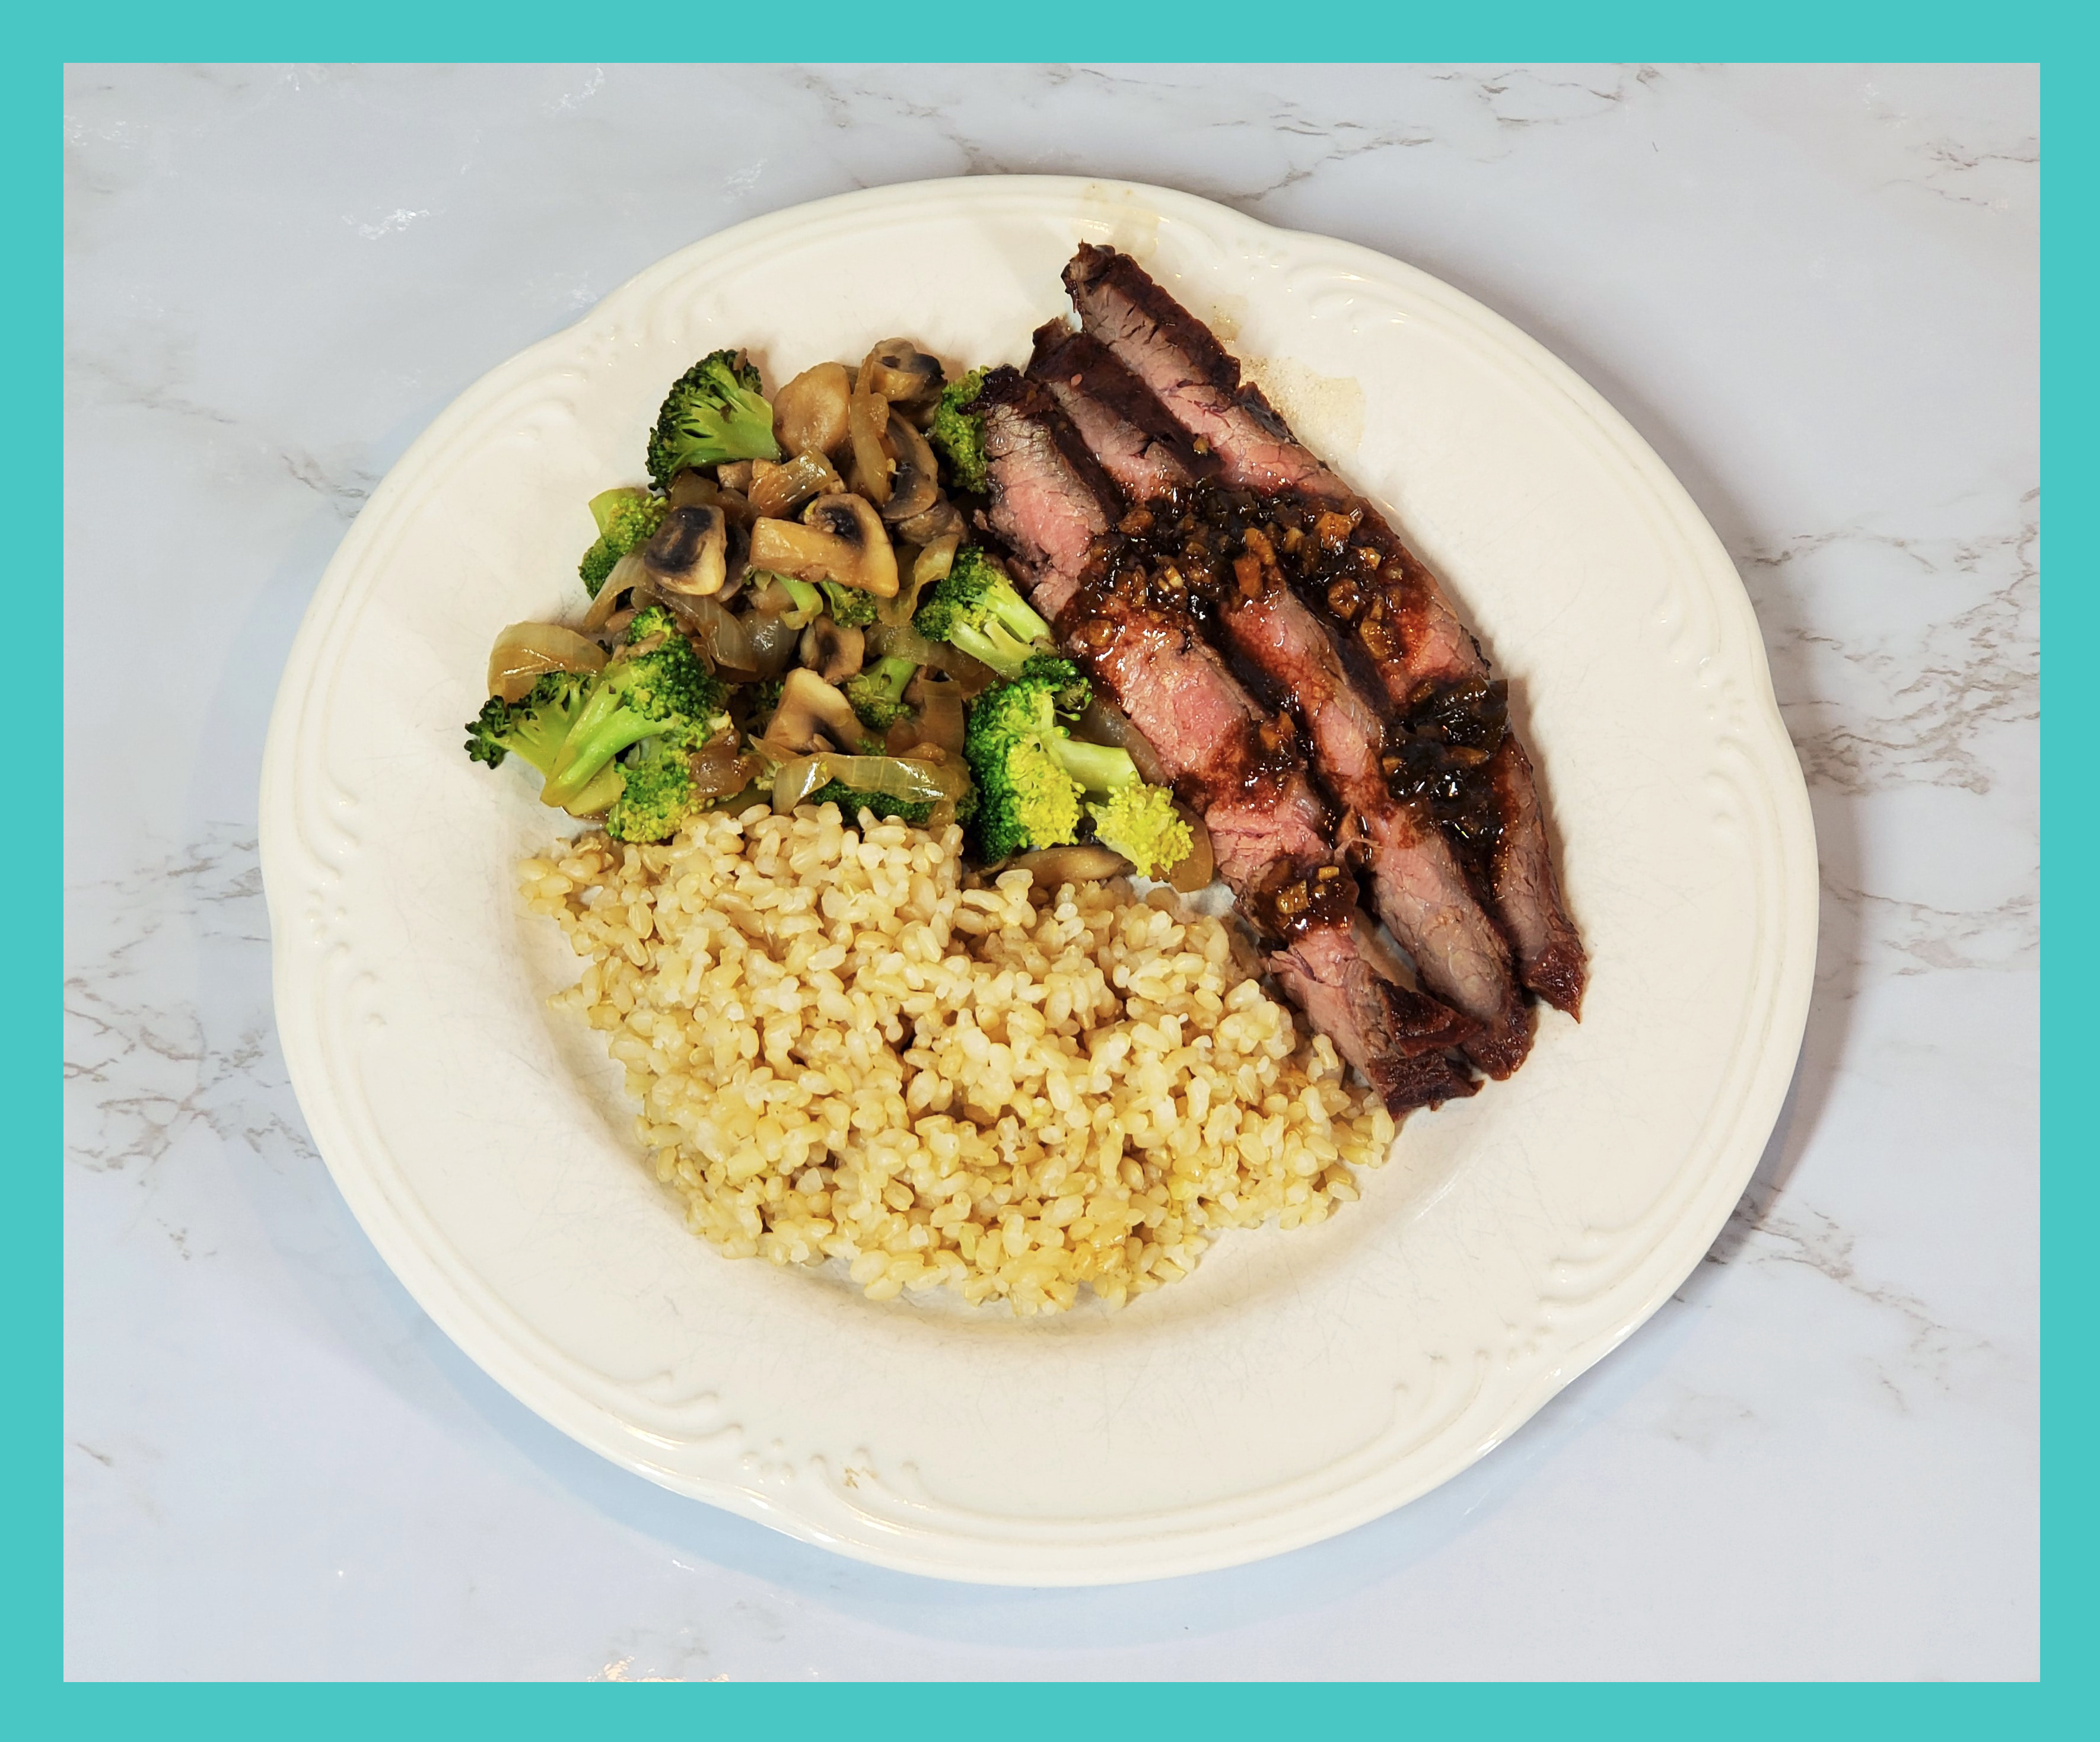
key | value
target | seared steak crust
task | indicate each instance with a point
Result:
(1236, 768)
(1414, 641)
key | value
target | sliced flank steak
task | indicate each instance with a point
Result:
(1417, 885)
(1395, 613)
(1425, 659)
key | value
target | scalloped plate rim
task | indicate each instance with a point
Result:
(1168, 1552)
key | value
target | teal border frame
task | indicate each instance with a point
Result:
(31, 1567)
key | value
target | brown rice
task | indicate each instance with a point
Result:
(847, 1045)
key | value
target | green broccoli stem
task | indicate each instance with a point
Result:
(1099, 768)
(606, 727)
(891, 675)
(995, 646)
(1016, 614)
(808, 599)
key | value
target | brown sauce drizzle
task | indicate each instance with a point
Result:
(1285, 910)
(1131, 592)
(1182, 551)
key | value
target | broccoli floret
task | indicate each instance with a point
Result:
(627, 519)
(877, 694)
(958, 433)
(1140, 823)
(851, 607)
(714, 411)
(534, 728)
(852, 801)
(653, 687)
(1030, 772)
(656, 793)
(1070, 691)
(973, 606)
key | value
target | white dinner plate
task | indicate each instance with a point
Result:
(1299, 1383)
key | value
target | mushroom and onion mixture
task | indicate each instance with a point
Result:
(793, 611)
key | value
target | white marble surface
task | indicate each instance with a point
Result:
(1813, 291)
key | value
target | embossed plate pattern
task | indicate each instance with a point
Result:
(1299, 1384)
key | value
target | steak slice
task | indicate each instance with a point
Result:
(1193, 376)
(1527, 895)
(1414, 641)
(1239, 770)
(1123, 425)
(1403, 620)
(1397, 1037)
(1050, 500)
(1418, 884)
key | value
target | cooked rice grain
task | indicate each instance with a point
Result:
(847, 1045)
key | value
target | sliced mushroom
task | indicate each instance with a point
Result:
(737, 474)
(943, 520)
(832, 652)
(809, 705)
(1194, 872)
(841, 538)
(1053, 866)
(914, 485)
(780, 490)
(868, 417)
(690, 554)
(903, 374)
(809, 412)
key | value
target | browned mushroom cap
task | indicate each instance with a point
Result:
(692, 489)
(689, 553)
(841, 538)
(809, 705)
(903, 374)
(831, 650)
(942, 520)
(914, 487)
(809, 412)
